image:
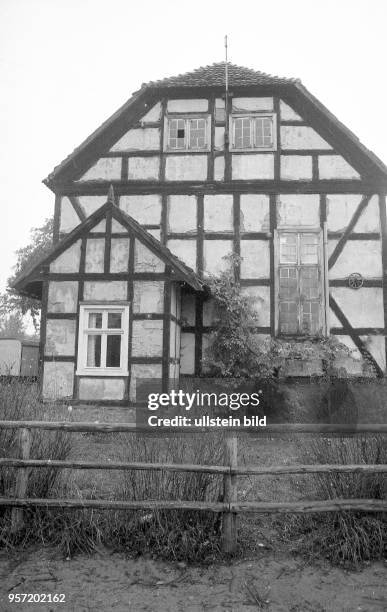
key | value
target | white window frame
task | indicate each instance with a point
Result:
(187, 125)
(84, 331)
(251, 117)
(323, 309)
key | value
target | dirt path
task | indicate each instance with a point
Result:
(106, 582)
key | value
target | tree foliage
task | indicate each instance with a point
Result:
(10, 302)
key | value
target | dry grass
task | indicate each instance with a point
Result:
(347, 538)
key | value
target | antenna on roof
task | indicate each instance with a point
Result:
(226, 135)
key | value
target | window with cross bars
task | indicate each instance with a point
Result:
(300, 293)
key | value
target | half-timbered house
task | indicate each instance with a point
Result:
(180, 176)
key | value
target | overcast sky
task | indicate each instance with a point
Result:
(66, 65)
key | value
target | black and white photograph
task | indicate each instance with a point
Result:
(193, 306)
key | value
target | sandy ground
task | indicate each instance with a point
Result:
(105, 581)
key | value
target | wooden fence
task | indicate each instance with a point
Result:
(230, 506)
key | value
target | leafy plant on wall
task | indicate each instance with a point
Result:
(237, 351)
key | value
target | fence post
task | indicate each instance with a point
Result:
(17, 514)
(230, 494)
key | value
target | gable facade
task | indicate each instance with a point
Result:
(266, 173)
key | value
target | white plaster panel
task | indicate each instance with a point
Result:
(69, 260)
(184, 250)
(62, 296)
(144, 168)
(215, 255)
(219, 168)
(254, 166)
(254, 216)
(198, 105)
(119, 255)
(362, 307)
(363, 256)
(186, 168)
(156, 233)
(296, 167)
(220, 109)
(210, 314)
(288, 113)
(340, 210)
(301, 137)
(101, 388)
(219, 138)
(153, 114)
(182, 213)
(298, 210)
(207, 342)
(117, 227)
(376, 345)
(142, 139)
(91, 203)
(105, 290)
(218, 213)
(335, 167)
(187, 353)
(260, 302)
(145, 260)
(370, 218)
(58, 380)
(172, 340)
(143, 370)
(147, 338)
(95, 253)
(106, 169)
(148, 296)
(252, 104)
(146, 209)
(333, 320)
(255, 259)
(60, 337)
(188, 308)
(68, 217)
(100, 227)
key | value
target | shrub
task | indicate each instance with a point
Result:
(347, 538)
(172, 534)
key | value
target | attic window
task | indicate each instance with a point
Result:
(187, 133)
(255, 131)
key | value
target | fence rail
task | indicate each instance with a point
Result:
(230, 507)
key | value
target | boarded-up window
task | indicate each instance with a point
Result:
(300, 283)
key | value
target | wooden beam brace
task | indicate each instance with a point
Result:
(341, 243)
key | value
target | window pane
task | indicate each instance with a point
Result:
(310, 317)
(288, 248)
(113, 351)
(93, 351)
(176, 136)
(309, 283)
(114, 320)
(264, 132)
(197, 134)
(288, 315)
(288, 284)
(95, 320)
(309, 248)
(242, 128)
